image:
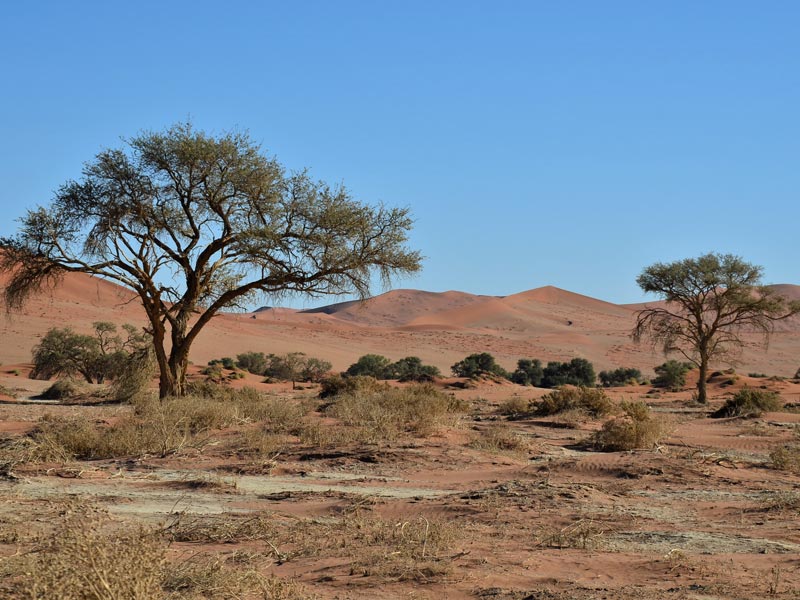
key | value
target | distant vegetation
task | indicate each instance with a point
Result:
(620, 377)
(410, 368)
(671, 375)
(478, 365)
(104, 355)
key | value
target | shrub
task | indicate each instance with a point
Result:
(225, 362)
(315, 369)
(590, 401)
(477, 365)
(786, 458)
(528, 372)
(336, 384)
(500, 439)
(671, 375)
(749, 402)
(89, 558)
(578, 371)
(386, 413)
(60, 390)
(636, 428)
(134, 379)
(371, 365)
(620, 377)
(411, 368)
(515, 407)
(296, 366)
(252, 362)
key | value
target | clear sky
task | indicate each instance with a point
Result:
(537, 143)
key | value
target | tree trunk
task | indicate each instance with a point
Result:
(701, 383)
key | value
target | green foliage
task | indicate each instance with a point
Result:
(749, 402)
(578, 371)
(587, 400)
(477, 365)
(709, 302)
(252, 362)
(314, 369)
(223, 363)
(620, 377)
(215, 221)
(62, 352)
(671, 375)
(371, 365)
(296, 366)
(411, 368)
(528, 372)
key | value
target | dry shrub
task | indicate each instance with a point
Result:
(419, 409)
(258, 443)
(585, 534)
(134, 380)
(61, 390)
(636, 428)
(322, 435)
(786, 458)
(590, 401)
(781, 500)
(89, 557)
(749, 402)
(500, 439)
(222, 529)
(336, 385)
(515, 407)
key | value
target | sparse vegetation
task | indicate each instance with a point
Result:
(60, 390)
(636, 428)
(296, 366)
(384, 414)
(252, 362)
(786, 458)
(592, 402)
(371, 365)
(749, 402)
(500, 439)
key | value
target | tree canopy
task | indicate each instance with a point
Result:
(709, 302)
(194, 224)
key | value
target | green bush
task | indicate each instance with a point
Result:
(590, 401)
(578, 371)
(478, 365)
(620, 377)
(411, 368)
(371, 365)
(671, 375)
(749, 402)
(528, 372)
(252, 362)
(296, 366)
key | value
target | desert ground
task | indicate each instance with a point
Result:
(264, 491)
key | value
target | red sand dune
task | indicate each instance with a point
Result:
(441, 328)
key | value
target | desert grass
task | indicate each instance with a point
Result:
(500, 439)
(637, 428)
(515, 407)
(592, 402)
(386, 414)
(786, 458)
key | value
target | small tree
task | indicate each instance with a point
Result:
(672, 374)
(709, 302)
(315, 369)
(476, 365)
(528, 372)
(578, 371)
(371, 365)
(252, 362)
(620, 376)
(194, 224)
(411, 368)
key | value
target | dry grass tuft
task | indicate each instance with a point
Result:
(89, 557)
(418, 409)
(786, 458)
(637, 428)
(515, 407)
(500, 439)
(592, 402)
(585, 534)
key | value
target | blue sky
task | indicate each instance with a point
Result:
(537, 143)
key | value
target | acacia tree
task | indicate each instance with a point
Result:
(710, 301)
(194, 224)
